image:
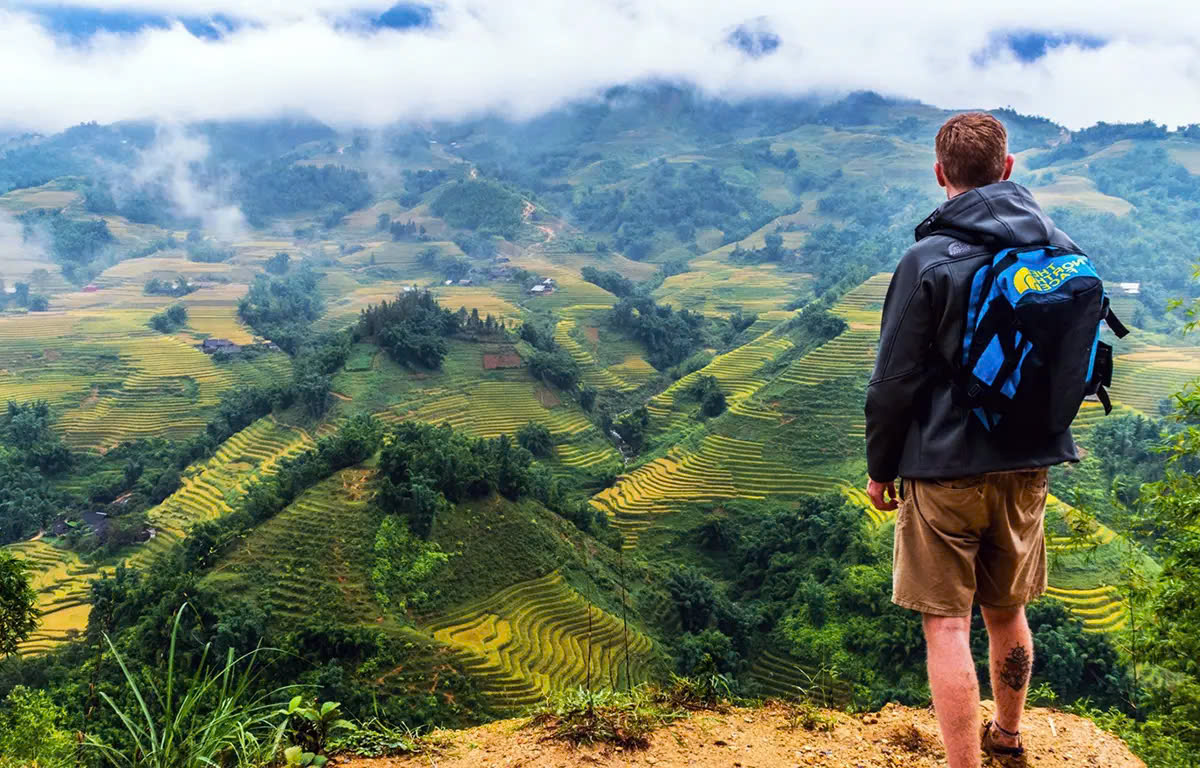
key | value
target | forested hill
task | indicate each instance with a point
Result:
(461, 416)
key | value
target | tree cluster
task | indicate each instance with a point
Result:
(670, 336)
(482, 206)
(672, 199)
(30, 454)
(281, 189)
(170, 319)
(610, 280)
(412, 329)
(158, 287)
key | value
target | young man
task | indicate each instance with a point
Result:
(969, 527)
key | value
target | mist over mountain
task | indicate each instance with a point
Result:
(462, 355)
(374, 63)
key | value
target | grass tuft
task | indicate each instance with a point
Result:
(623, 719)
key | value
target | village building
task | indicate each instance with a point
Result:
(209, 346)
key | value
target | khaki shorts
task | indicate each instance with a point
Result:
(972, 538)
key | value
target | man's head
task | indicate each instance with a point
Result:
(972, 151)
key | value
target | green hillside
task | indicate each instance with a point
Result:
(652, 466)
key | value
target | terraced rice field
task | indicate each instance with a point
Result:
(1145, 378)
(781, 677)
(493, 408)
(61, 581)
(715, 287)
(212, 313)
(850, 354)
(722, 468)
(166, 396)
(592, 374)
(210, 488)
(533, 638)
(1100, 608)
(585, 458)
(735, 371)
(318, 550)
(476, 297)
(860, 499)
(633, 370)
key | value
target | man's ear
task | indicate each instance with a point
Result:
(941, 176)
(1008, 167)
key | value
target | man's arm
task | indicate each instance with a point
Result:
(905, 338)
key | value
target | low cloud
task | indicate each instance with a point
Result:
(172, 161)
(19, 257)
(519, 59)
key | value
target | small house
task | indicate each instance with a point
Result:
(1130, 289)
(209, 346)
(548, 282)
(91, 288)
(538, 289)
(464, 282)
(449, 282)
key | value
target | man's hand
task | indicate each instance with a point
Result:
(877, 491)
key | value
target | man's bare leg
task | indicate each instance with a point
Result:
(1010, 647)
(955, 687)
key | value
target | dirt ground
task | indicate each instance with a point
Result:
(770, 738)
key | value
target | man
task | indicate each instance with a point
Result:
(969, 527)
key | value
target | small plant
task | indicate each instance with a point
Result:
(624, 719)
(1042, 696)
(707, 692)
(376, 738)
(806, 715)
(310, 726)
(298, 758)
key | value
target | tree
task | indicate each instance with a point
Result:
(170, 320)
(695, 596)
(313, 388)
(18, 605)
(557, 368)
(278, 264)
(536, 439)
(31, 732)
(38, 303)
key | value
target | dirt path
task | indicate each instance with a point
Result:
(770, 738)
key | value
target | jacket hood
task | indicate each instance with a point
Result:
(1000, 215)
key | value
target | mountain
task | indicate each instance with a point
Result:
(653, 396)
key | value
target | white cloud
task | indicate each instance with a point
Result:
(521, 58)
(171, 161)
(19, 257)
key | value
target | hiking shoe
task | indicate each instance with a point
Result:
(1017, 753)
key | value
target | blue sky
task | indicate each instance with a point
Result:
(377, 62)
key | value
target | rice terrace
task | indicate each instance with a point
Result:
(530, 407)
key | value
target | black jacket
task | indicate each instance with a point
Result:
(914, 427)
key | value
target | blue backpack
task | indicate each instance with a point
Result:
(1031, 351)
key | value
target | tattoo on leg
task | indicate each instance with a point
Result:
(1016, 668)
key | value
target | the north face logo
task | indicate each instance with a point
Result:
(958, 248)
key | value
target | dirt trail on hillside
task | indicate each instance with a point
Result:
(769, 738)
